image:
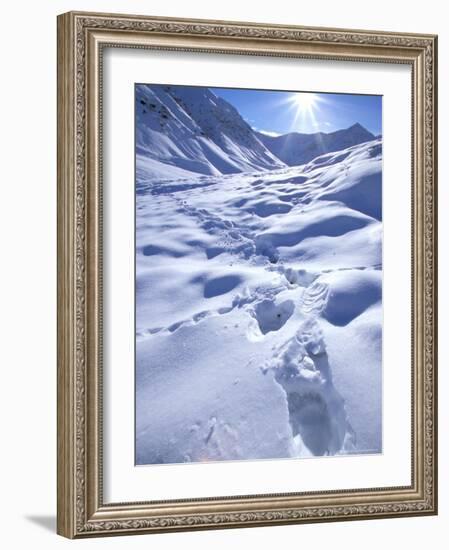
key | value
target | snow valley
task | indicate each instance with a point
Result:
(258, 276)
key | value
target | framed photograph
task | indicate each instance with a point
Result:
(246, 274)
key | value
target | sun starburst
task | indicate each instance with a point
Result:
(305, 106)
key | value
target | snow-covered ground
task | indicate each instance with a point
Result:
(258, 307)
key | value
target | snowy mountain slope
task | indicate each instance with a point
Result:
(295, 148)
(259, 312)
(191, 130)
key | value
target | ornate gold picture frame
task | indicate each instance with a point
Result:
(82, 40)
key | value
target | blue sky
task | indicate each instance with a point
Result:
(279, 112)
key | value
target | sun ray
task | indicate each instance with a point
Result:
(305, 107)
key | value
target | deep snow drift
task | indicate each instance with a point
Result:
(258, 293)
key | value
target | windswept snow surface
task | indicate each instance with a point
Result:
(259, 309)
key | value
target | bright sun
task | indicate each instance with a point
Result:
(305, 101)
(305, 110)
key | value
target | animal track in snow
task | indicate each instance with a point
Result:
(316, 410)
(238, 301)
(231, 238)
(315, 298)
(300, 277)
(271, 316)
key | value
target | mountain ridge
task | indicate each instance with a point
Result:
(295, 148)
(191, 129)
(182, 130)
